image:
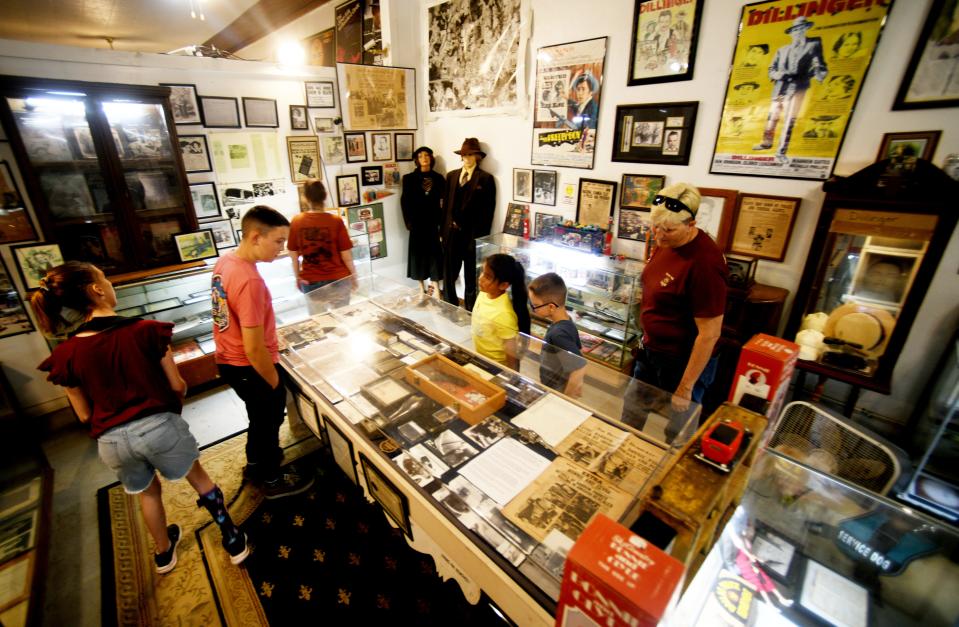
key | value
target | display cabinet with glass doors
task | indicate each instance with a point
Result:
(603, 294)
(102, 168)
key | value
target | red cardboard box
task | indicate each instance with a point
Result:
(615, 578)
(765, 367)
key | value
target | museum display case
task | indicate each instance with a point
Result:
(603, 293)
(103, 169)
(806, 548)
(496, 489)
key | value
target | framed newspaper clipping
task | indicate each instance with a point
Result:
(793, 86)
(664, 41)
(763, 226)
(376, 98)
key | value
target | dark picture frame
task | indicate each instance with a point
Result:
(372, 175)
(32, 267)
(403, 152)
(184, 103)
(650, 46)
(543, 221)
(655, 133)
(263, 115)
(924, 61)
(353, 154)
(301, 124)
(195, 245)
(393, 502)
(16, 319)
(321, 48)
(763, 226)
(205, 211)
(343, 197)
(638, 190)
(595, 202)
(523, 184)
(515, 212)
(216, 112)
(925, 141)
(633, 224)
(378, 145)
(195, 152)
(341, 446)
(544, 187)
(718, 226)
(320, 94)
(227, 234)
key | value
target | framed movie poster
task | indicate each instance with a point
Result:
(544, 187)
(664, 41)
(522, 185)
(655, 133)
(348, 22)
(319, 95)
(348, 190)
(639, 190)
(792, 126)
(514, 218)
(387, 495)
(304, 154)
(595, 202)
(14, 319)
(184, 104)
(355, 147)
(932, 77)
(763, 226)
(220, 112)
(634, 224)
(206, 202)
(715, 213)
(320, 48)
(909, 146)
(376, 98)
(195, 245)
(568, 92)
(33, 261)
(195, 153)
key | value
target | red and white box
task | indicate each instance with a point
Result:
(614, 578)
(765, 367)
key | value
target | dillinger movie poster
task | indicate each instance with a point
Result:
(797, 71)
(569, 82)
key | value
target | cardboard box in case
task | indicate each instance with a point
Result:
(765, 367)
(615, 578)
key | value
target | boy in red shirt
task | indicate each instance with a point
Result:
(247, 353)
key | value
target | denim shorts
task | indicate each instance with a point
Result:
(136, 450)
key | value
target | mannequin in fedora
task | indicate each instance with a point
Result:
(468, 214)
(424, 190)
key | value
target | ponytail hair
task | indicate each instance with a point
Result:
(63, 287)
(506, 269)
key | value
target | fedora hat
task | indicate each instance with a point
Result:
(799, 22)
(471, 146)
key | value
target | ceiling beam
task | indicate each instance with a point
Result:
(260, 20)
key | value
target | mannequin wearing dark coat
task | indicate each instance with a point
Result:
(421, 202)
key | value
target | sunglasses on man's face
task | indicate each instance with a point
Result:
(672, 204)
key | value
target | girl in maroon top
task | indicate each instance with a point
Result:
(120, 378)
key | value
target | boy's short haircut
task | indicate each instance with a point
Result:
(262, 219)
(549, 287)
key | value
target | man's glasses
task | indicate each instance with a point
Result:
(535, 307)
(673, 205)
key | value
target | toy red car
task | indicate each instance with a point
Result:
(721, 442)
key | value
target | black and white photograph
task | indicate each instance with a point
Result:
(634, 224)
(223, 234)
(298, 118)
(428, 460)
(411, 432)
(146, 142)
(195, 153)
(206, 202)
(444, 415)
(522, 185)
(544, 187)
(260, 113)
(543, 224)
(321, 123)
(648, 134)
(68, 195)
(672, 141)
(84, 142)
(487, 432)
(452, 448)
(382, 146)
(372, 175)
(403, 146)
(220, 112)
(319, 94)
(183, 103)
(416, 471)
(333, 149)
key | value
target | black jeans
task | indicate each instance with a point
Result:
(461, 250)
(264, 408)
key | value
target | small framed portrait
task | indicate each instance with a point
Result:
(206, 202)
(403, 144)
(299, 121)
(348, 190)
(634, 224)
(355, 147)
(220, 112)
(195, 245)
(904, 148)
(334, 149)
(639, 190)
(321, 123)
(184, 103)
(33, 261)
(195, 153)
(544, 187)
(883, 278)
(223, 234)
(393, 501)
(260, 113)
(319, 94)
(372, 175)
(595, 202)
(522, 185)
(382, 146)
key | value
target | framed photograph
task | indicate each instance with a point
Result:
(763, 226)
(655, 133)
(391, 175)
(393, 501)
(33, 261)
(568, 94)
(544, 187)
(334, 149)
(595, 202)
(793, 126)
(663, 47)
(81, 134)
(195, 153)
(18, 533)
(260, 113)
(206, 202)
(403, 145)
(320, 48)
(14, 319)
(195, 245)
(321, 124)
(382, 146)
(17, 575)
(223, 234)
(932, 77)
(304, 154)
(348, 190)
(639, 190)
(355, 147)
(515, 213)
(634, 224)
(342, 450)
(319, 94)
(715, 214)
(907, 147)
(220, 112)
(522, 185)
(544, 221)
(308, 413)
(377, 98)
(184, 103)
(299, 121)
(372, 174)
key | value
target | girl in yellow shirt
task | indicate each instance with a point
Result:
(497, 318)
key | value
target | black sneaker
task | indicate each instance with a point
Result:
(287, 484)
(237, 546)
(167, 560)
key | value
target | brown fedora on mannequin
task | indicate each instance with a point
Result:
(471, 146)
